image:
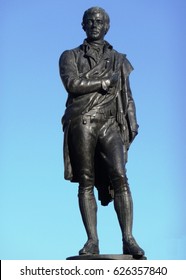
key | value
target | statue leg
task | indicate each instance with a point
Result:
(82, 140)
(116, 157)
(124, 208)
(88, 209)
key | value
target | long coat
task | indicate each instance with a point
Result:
(80, 73)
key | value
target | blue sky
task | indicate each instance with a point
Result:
(39, 210)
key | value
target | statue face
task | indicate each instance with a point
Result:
(95, 26)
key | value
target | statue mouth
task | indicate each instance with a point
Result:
(94, 32)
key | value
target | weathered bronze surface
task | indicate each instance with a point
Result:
(99, 126)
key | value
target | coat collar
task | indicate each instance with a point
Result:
(86, 47)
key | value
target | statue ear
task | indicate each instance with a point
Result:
(107, 28)
(83, 26)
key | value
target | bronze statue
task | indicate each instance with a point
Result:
(99, 125)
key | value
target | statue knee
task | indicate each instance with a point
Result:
(87, 191)
(86, 177)
(120, 185)
(86, 185)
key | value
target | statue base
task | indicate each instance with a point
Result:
(105, 257)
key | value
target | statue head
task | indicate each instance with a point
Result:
(95, 23)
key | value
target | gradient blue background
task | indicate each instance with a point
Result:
(39, 211)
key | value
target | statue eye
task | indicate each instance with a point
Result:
(100, 22)
(89, 22)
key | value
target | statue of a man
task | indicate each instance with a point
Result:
(99, 125)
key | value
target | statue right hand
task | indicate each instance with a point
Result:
(110, 81)
(114, 79)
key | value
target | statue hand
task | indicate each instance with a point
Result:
(114, 79)
(110, 81)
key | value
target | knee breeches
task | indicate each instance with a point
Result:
(86, 137)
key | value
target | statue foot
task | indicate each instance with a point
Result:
(90, 248)
(130, 247)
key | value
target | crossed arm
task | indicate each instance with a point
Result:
(77, 84)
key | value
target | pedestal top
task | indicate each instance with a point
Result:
(105, 257)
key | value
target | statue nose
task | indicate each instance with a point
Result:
(94, 23)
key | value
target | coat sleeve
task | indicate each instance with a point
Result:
(131, 109)
(126, 105)
(73, 82)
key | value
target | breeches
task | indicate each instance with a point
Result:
(88, 135)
